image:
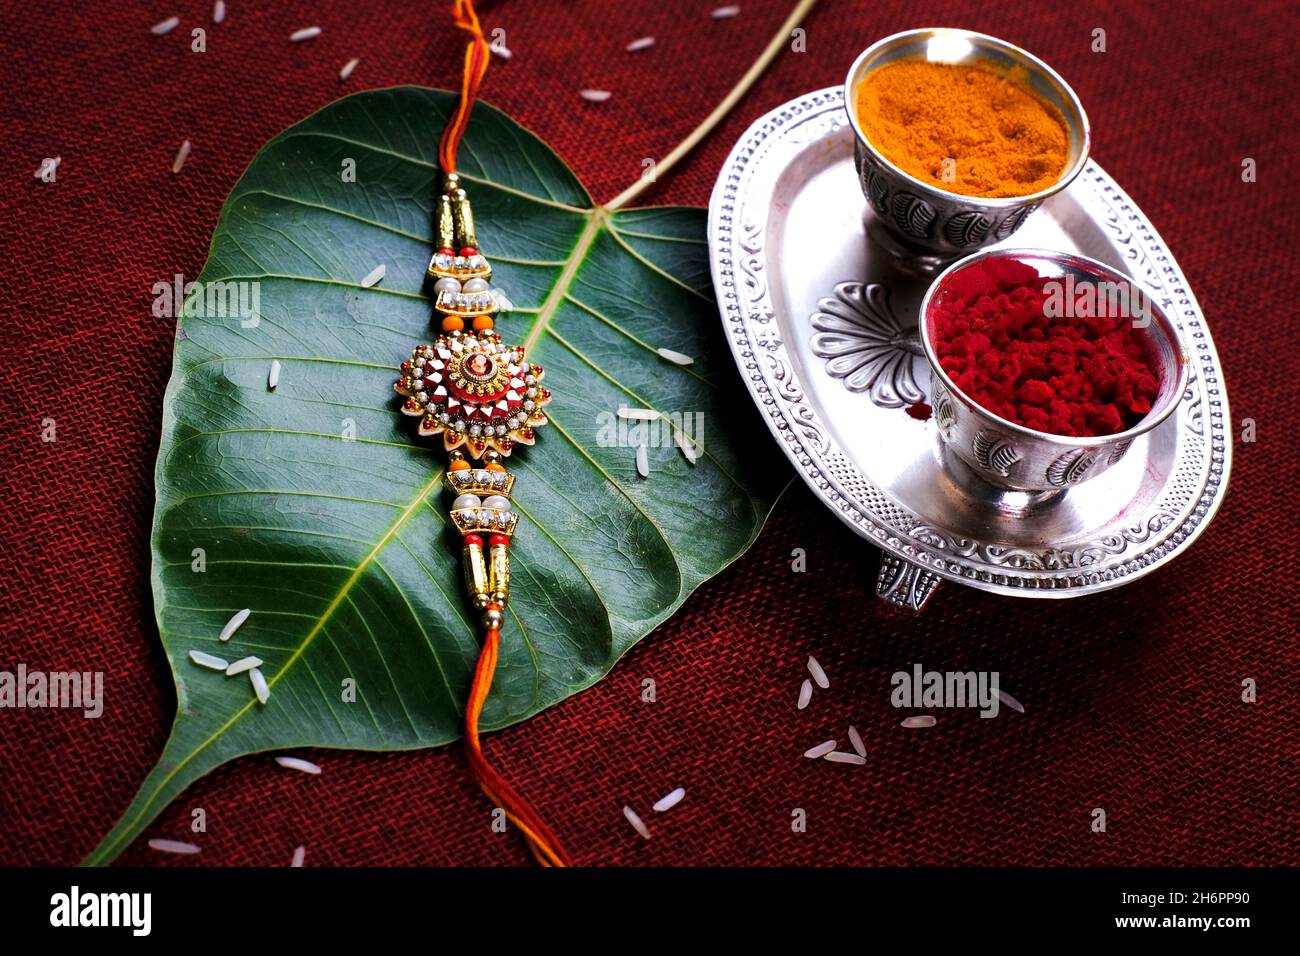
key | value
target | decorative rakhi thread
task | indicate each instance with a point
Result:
(482, 396)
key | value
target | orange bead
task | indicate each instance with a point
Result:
(452, 323)
(495, 466)
(460, 465)
(482, 323)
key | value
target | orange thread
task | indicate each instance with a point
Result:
(544, 844)
(476, 64)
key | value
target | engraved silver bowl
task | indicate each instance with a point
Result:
(1015, 458)
(924, 218)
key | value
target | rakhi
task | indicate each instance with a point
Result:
(485, 399)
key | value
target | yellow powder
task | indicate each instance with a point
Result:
(963, 128)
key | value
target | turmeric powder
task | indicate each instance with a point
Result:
(965, 128)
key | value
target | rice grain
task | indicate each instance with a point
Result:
(273, 376)
(836, 756)
(856, 739)
(821, 750)
(299, 855)
(348, 67)
(725, 13)
(595, 96)
(677, 358)
(233, 624)
(165, 26)
(243, 664)
(1011, 702)
(182, 154)
(373, 276)
(805, 693)
(219, 11)
(638, 414)
(636, 46)
(669, 801)
(173, 846)
(260, 687)
(306, 33)
(923, 721)
(637, 823)
(296, 763)
(642, 461)
(818, 674)
(687, 446)
(208, 660)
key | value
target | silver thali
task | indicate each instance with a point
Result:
(821, 318)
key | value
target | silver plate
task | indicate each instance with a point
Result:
(821, 320)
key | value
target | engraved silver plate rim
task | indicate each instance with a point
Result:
(765, 366)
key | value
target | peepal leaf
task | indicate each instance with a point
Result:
(316, 506)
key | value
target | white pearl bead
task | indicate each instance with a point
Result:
(465, 501)
(474, 285)
(497, 503)
(447, 285)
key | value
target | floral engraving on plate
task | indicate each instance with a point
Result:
(994, 453)
(866, 346)
(1070, 468)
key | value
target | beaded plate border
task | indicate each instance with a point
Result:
(738, 213)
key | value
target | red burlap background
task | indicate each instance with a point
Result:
(1133, 697)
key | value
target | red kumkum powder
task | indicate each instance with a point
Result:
(1075, 376)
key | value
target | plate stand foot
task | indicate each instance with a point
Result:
(903, 583)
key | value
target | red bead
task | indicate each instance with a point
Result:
(446, 250)
(473, 539)
(498, 539)
(468, 251)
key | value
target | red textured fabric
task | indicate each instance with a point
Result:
(1132, 697)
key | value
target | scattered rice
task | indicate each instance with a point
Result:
(821, 750)
(306, 33)
(638, 414)
(165, 26)
(348, 67)
(233, 624)
(47, 166)
(838, 757)
(687, 446)
(273, 376)
(636, 46)
(243, 664)
(670, 801)
(925, 721)
(500, 50)
(373, 276)
(725, 13)
(595, 96)
(173, 846)
(209, 660)
(805, 694)
(856, 739)
(677, 358)
(642, 461)
(260, 687)
(182, 154)
(637, 823)
(1011, 702)
(818, 674)
(295, 763)
(299, 855)
(219, 11)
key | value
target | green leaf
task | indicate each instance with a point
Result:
(340, 545)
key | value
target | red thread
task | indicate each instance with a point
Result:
(476, 64)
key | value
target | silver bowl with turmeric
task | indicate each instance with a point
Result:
(960, 136)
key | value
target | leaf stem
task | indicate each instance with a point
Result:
(720, 111)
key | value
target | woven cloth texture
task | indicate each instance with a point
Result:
(1133, 697)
